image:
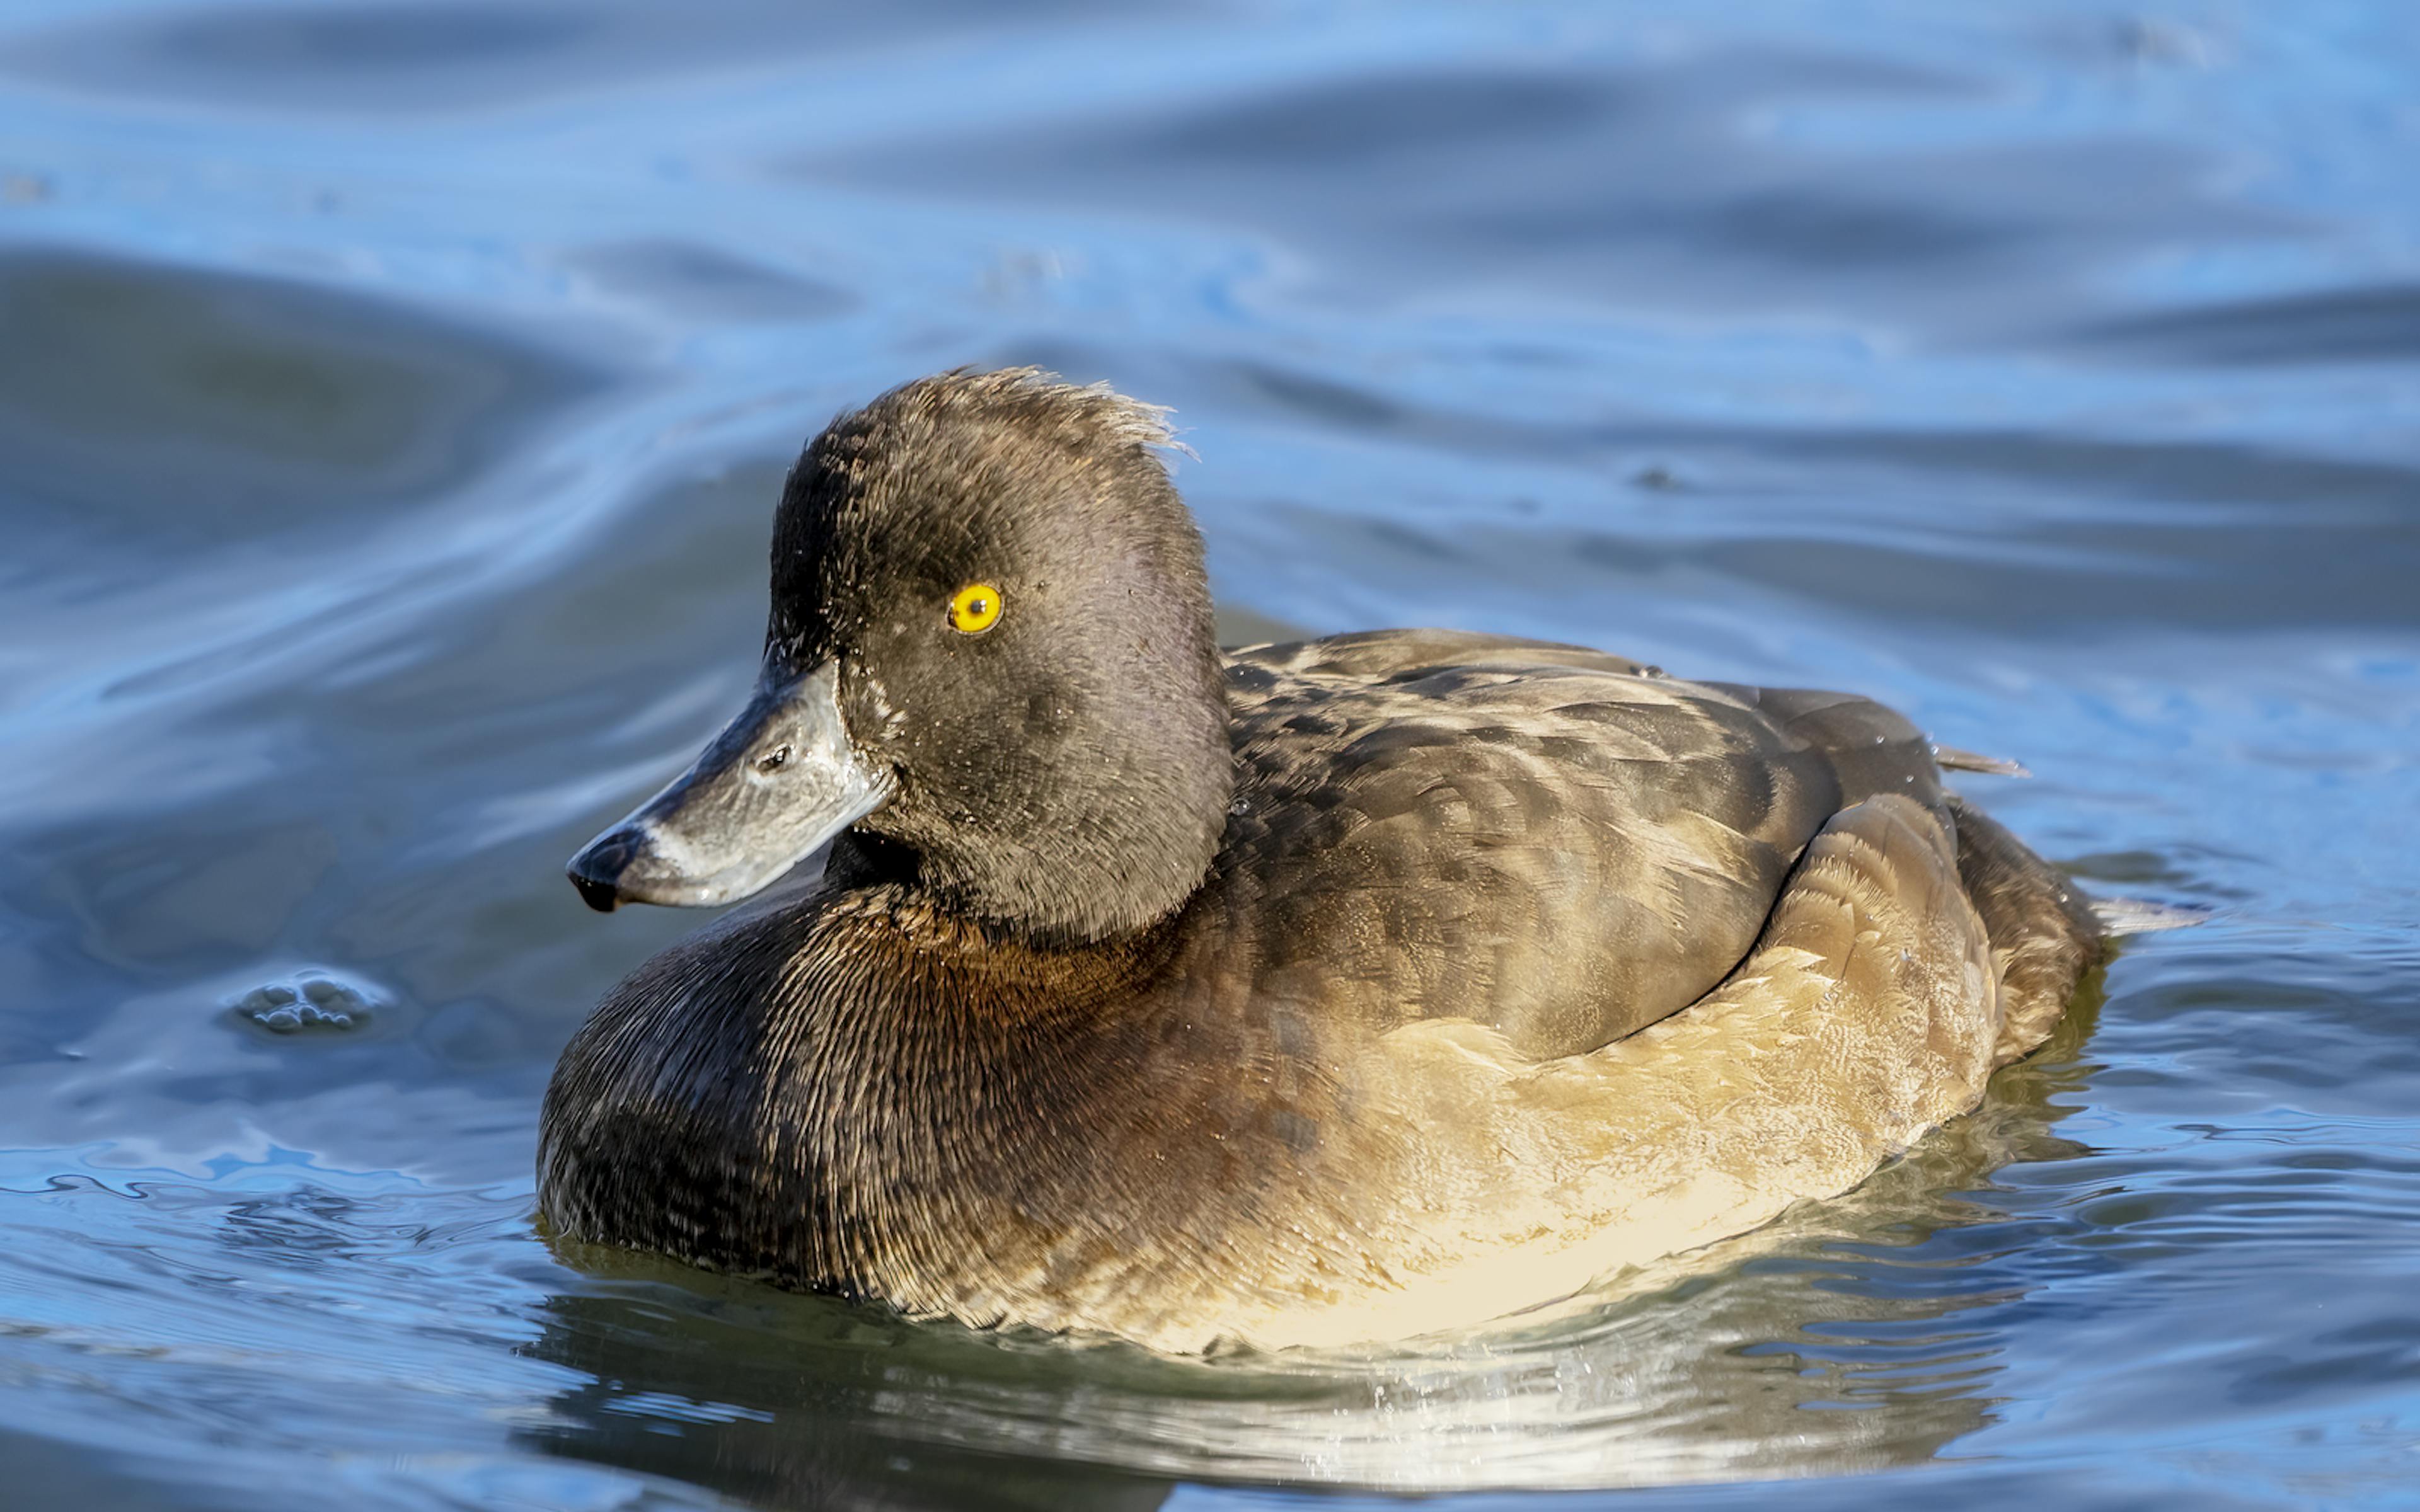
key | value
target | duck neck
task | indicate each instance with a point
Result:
(927, 1024)
(1122, 827)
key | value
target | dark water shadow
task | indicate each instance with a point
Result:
(692, 282)
(398, 58)
(2374, 324)
(168, 408)
(49, 1473)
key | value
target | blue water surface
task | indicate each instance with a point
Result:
(392, 398)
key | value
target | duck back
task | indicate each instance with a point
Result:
(1556, 842)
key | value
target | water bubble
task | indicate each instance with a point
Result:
(308, 1001)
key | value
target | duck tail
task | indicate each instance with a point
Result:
(2133, 915)
(1951, 759)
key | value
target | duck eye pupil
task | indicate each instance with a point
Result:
(773, 760)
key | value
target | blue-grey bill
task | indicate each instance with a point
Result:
(780, 781)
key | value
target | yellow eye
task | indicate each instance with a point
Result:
(975, 610)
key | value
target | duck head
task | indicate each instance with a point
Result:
(990, 660)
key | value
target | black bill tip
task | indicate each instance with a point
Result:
(596, 870)
(602, 896)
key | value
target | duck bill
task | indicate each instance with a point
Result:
(780, 781)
